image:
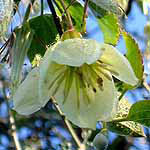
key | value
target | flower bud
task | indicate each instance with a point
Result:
(100, 142)
(70, 34)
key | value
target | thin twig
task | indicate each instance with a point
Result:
(28, 11)
(55, 17)
(84, 14)
(122, 94)
(12, 121)
(67, 14)
(71, 130)
(42, 7)
(147, 87)
(58, 7)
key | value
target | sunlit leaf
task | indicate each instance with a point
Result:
(109, 24)
(109, 5)
(140, 112)
(76, 11)
(134, 56)
(129, 128)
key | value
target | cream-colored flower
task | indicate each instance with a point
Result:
(78, 73)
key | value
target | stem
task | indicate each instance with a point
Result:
(84, 15)
(57, 5)
(122, 94)
(55, 17)
(27, 14)
(67, 14)
(71, 130)
(147, 87)
(12, 121)
(42, 7)
(14, 133)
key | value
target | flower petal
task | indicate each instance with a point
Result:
(102, 105)
(119, 65)
(75, 52)
(26, 99)
(50, 72)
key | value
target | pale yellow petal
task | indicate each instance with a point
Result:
(75, 52)
(119, 65)
(102, 106)
(26, 99)
(50, 72)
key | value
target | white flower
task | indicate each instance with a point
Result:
(78, 73)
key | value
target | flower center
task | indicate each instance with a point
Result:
(85, 78)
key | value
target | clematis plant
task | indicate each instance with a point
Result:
(78, 73)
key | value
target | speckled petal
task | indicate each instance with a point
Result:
(75, 52)
(119, 64)
(102, 106)
(49, 72)
(26, 99)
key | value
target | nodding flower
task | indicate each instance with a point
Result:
(78, 73)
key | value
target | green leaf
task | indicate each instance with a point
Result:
(126, 127)
(45, 34)
(76, 11)
(134, 56)
(109, 5)
(140, 112)
(110, 27)
(109, 24)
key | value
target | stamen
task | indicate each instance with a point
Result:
(57, 77)
(59, 82)
(112, 71)
(100, 83)
(86, 96)
(68, 82)
(88, 78)
(102, 72)
(103, 63)
(106, 65)
(94, 90)
(97, 77)
(77, 80)
(80, 75)
(82, 81)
